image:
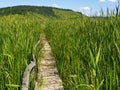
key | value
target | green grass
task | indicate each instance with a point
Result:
(18, 35)
(87, 52)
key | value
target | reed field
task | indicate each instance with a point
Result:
(87, 51)
(18, 36)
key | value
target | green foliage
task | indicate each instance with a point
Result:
(87, 52)
(18, 35)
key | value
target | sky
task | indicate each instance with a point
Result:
(88, 7)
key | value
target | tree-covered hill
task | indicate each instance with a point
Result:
(46, 11)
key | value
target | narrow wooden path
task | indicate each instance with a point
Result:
(47, 71)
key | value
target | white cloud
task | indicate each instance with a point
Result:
(108, 0)
(102, 0)
(85, 8)
(55, 5)
(112, 0)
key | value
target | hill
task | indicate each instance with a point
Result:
(45, 11)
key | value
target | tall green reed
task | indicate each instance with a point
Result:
(85, 51)
(18, 35)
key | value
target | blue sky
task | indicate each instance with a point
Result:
(84, 6)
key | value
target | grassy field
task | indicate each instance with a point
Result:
(87, 50)
(18, 35)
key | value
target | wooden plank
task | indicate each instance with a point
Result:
(48, 75)
(27, 71)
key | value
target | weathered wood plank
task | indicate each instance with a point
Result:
(25, 81)
(47, 71)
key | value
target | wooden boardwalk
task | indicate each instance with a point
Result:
(47, 71)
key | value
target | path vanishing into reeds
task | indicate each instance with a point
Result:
(47, 72)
